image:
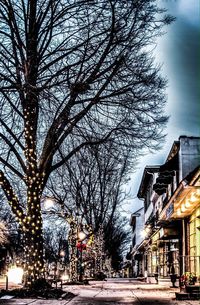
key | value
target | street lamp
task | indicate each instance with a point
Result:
(15, 274)
(48, 203)
(81, 237)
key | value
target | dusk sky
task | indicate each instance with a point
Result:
(178, 52)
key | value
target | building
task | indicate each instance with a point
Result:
(137, 225)
(171, 195)
(183, 209)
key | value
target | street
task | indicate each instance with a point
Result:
(112, 292)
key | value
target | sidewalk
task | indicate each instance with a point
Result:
(112, 292)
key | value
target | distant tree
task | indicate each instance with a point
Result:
(91, 184)
(55, 243)
(72, 73)
(116, 237)
(10, 237)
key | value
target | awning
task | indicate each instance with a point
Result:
(166, 174)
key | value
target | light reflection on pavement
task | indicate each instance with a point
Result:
(125, 292)
(112, 292)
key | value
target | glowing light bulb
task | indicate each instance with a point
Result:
(187, 204)
(197, 193)
(192, 197)
(183, 209)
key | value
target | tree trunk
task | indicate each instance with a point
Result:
(73, 252)
(33, 238)
(34, 263)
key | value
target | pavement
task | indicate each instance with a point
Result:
(112, 292)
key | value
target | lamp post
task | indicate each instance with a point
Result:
(81, 237)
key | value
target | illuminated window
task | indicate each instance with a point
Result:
(195, 242)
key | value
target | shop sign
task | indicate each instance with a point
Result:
(170, 210)
(155, 237)
(167, 232)
(161, 232)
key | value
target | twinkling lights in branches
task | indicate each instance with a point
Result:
(99, 247)
(73, 251)
(34, 236)
(31, 225)
(12, 199)
(75, 228)
(34, 179)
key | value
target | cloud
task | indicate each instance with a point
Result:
(190, 10)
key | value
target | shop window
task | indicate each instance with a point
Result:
(198, 222)
(194, 245)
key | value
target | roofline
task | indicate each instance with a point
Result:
(148, 170)
(195, 176)
(173, 151)
(134, 215)
(136, 212)
(176, 144)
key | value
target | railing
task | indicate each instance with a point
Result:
(190, 264)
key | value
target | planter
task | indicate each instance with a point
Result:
(187, 279)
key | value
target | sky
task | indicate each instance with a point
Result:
(178, 51)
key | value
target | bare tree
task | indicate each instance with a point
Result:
(116, 239)
(72, 73)
(55, 242)
(10, 237)
(91, 184)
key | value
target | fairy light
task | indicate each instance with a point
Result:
(197, 193)
(99, 245)
(183, 209)
(12, 198)
(187, 204)
(31, 223)
(192, 197)
(73, 251)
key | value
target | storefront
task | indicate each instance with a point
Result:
(151, 260)
(162, 253)
(194, 242)
(184, 206)
(154, 256)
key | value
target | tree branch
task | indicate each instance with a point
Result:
(12, 199)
